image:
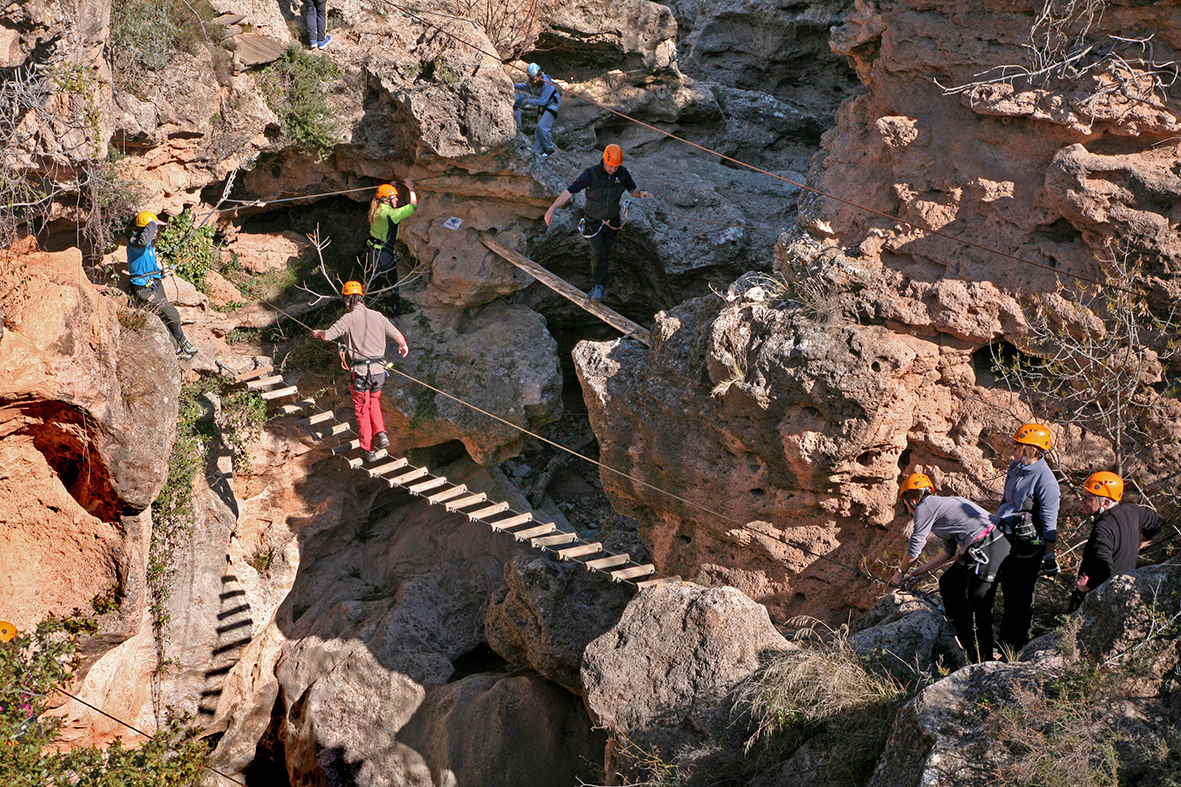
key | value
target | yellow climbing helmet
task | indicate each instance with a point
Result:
(1034, 434)
(144, 217)
(351, 288)
(916, 481)
(386, 190)
(1105, 484)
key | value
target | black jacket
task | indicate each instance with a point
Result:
(1115, 541)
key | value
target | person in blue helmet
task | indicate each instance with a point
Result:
(146, 279)
(539, 92)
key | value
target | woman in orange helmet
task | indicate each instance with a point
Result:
(385, 214)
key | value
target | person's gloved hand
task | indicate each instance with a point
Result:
(518, 102)
(1050, 566)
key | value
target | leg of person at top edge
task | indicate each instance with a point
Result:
(315, 20)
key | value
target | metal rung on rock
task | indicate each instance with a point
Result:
(447, 494)
(413, 475)
(579, 551)
(433, 483)
(464, 502)
(280, 393)
(253, 373)
(254, 385)
(550, 541)
(484, 513)
(302, 404)
(607, 562)
(318, 418)
(389, 467)
(637, 571)
(512, 521)
(651, 583)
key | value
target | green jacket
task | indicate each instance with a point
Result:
(386, 215)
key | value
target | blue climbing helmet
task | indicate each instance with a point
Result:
(533, 69)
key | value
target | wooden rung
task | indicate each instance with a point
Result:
(579, 551)
(288, 409)
(253, 373)
(464, 502)
(532, 532)
(447, 494)
(550, 541)
(344, 448)
(280, 393)
(607, 562)
(254, 385)
(423, 486)
(389, 467)
(320, 434)
(318, 418)
(484, 513)
(635, 571)
(512, 521)
(651, 583)
(413, 475)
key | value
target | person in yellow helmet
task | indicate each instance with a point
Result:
(146, 279)
(364, 332)
(972, 541)
(385, 214)
(1118, 531)
(605, 183)
(1028, 515)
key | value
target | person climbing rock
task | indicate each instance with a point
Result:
(1118, 532)
(384, 217)
(976, 546)
(364, 332)
(604, 183)
(539, 92)
(316, 21)
(146, 279)
(1028, 516)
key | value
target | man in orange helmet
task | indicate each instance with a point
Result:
(1118, 532)
(970, 539)
(1028, 515)
(604, 183)
(365, 332)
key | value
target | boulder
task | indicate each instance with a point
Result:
(548, 612)
(907, 636)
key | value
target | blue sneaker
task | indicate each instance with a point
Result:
(596, 293)
(327, 40)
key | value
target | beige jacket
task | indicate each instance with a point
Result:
(364, 332)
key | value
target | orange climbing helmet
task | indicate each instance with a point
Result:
(613, 155)
(145, 217)
(386, 190)
(7, 631)
(1105, 484)
(351, 288)
(916, 481)
(1034, 434)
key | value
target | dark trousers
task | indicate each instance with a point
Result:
(1018, 578)
(967, 598)
(367, 405)
(153, 295)
(316, 19)
(383, 258)
(602, 244)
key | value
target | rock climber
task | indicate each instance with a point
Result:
(604, 183)
(365, 332)
(1118, 532)
(976, 546)
(1028, 516)
(539, 92)
(384, 217)
(146, 279)
(316, 21)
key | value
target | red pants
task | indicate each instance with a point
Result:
(369, 420)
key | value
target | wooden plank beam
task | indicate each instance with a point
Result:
(571, 293)
(651, 583)
(630, 573)
(251, 374)
(464, 502)
(263, 382)
(512, 521)
(484, 513)
(423, 486)
(447, 494)
(318, 418)
(607, 562)
(579, 551)
(413, 475)
(554, 540)
(302, 404)
(388, 467)
(280, 393)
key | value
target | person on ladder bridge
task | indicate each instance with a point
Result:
(384, 217)
(364, 332)
(604, 184)
(146, 279)
(538, 92)
(978, 548)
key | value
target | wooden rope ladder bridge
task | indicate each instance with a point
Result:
(324, 427)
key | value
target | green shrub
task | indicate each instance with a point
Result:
(191, 251)
(294, 89)
(146, 33)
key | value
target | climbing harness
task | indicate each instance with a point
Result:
(624, 209)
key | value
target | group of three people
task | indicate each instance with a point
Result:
(1018, 544)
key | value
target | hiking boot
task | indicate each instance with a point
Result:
(370, 457)
(596, 294)
(381, 440)
(327, 40)
(186, 351)
(546, 153)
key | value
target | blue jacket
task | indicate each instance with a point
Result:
(1033, 488)
(549, 96)
(141, 256)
